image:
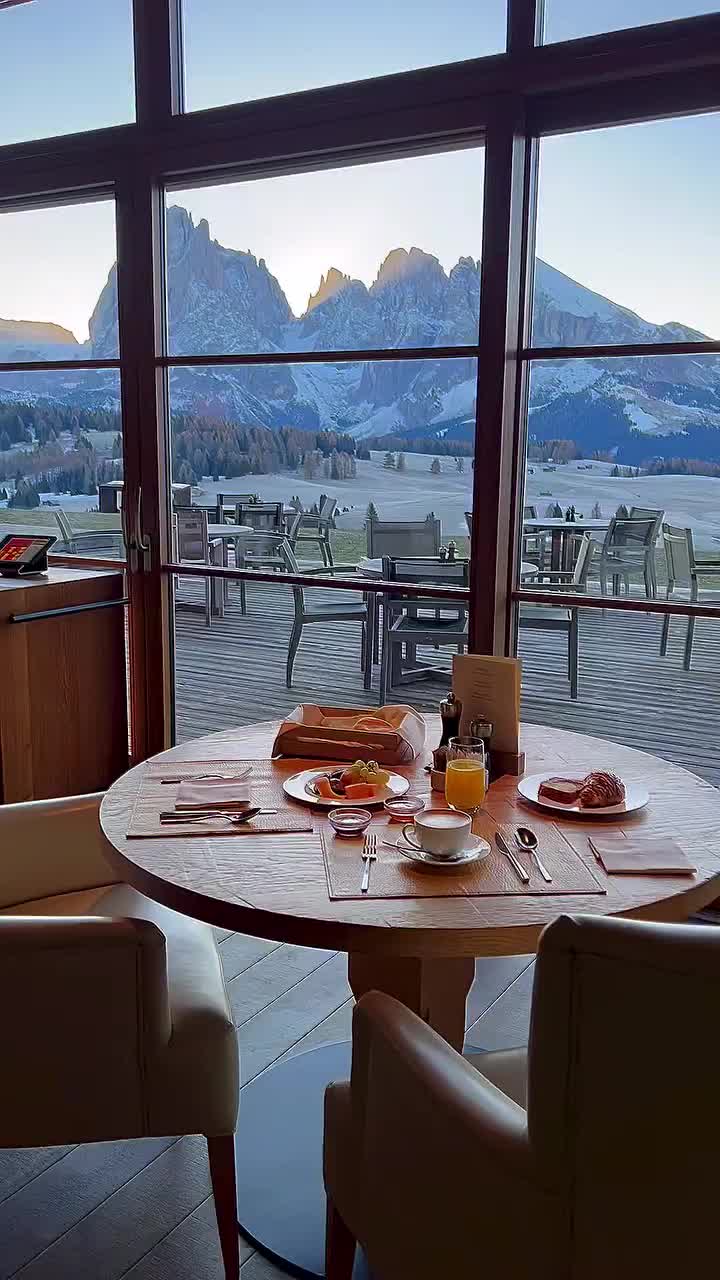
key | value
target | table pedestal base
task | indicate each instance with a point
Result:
(281, 1198)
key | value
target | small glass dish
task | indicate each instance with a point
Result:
(403, 808)
(349, 822)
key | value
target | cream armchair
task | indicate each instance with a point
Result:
(440, 1166)
(115, 1016)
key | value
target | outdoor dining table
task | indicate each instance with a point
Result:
(224, 533)
(561, 536)
(421, 950)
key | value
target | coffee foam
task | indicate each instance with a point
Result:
(443, 820)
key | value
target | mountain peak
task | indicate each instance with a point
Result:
(330, 284)
(36, 331)
(400, 264)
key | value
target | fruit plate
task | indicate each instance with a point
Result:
(300, 786)
(636, 797)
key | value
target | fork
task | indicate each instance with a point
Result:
(369, 855)
(176, 817)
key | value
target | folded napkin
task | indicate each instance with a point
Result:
(641, 856)
(213, 793)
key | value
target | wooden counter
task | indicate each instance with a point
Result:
(63, 685)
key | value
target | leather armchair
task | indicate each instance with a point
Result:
(593, 1154)
(116, 1018)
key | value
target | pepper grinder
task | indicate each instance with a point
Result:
(450, 714)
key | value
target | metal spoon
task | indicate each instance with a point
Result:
(526, 839)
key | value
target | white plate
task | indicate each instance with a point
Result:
(477, 849)
(297, 787)
(636, 797)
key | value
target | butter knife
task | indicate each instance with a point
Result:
(519, 869)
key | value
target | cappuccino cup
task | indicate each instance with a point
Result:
(441, 832)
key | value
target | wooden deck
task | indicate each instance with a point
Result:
(233, 673)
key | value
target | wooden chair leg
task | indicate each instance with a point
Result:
(221, 1154)
(340, 1247)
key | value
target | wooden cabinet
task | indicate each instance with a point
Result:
(63, 684)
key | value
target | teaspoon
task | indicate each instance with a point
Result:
(526, 839)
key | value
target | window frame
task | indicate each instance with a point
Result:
(509, 99)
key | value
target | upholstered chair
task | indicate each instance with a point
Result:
(591, 1155)
(116, 1021)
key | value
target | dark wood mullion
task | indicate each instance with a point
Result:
(140, 240)
(158, 60)
(619, 604)
(626, 96)
(354, 354)
(500, 301)
(524, 25)
(41, 366)
(622, 350)
(371, 586)
(522, 381)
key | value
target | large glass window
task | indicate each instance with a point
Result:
(369, 256)
(640, 681)
(627, 235)
(568, 19)
(58, 293)
(322, 42)
(361, 466)
(60, 429)
(65, 66)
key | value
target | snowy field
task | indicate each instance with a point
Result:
(688, 501)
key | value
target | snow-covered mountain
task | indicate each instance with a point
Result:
(225, 301)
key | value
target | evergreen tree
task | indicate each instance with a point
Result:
(389, 461)
(5, 442)
(400, 465)
(435, 467)
(622, 512)
(596, 513)
(460, 465)
(371, 513)
(26, 496)
(615, 471)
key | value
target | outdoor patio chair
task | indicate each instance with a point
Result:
(629, 548)
(685, 573)
(589, 1153)
(308, 610)
(227, 504)
(263, 517)
(534, 543)
(314, 529)
(98, 543)
(403, 537)
(193, 546)
(415, 620)
(550, 617)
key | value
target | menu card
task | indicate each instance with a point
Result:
(489, 689)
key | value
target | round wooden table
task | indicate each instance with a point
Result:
(420, 950)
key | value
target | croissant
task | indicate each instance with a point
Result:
(600, 790)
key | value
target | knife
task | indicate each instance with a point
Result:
(520, 870)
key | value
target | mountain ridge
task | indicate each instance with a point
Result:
(225, 301)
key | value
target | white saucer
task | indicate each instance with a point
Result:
(477, 849)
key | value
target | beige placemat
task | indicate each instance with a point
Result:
(157, 793)
(394, 876)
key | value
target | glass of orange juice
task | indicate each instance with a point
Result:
(465, 774)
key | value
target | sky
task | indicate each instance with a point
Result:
(630, 212)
